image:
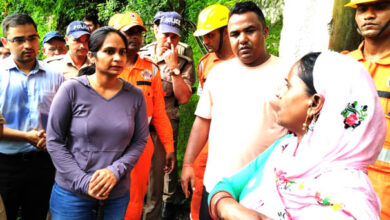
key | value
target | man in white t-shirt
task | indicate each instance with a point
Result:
(237, 110)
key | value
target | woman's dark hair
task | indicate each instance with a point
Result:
(306, 66)
(95, 42)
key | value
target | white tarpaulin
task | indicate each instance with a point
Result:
(305, 27)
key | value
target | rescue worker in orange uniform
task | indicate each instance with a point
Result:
(373, 23)
(212, 26)
(144, 74)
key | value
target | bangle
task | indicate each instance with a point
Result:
(187, 165)
(216, 203)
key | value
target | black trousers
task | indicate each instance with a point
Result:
(26, 180)
(204, 207)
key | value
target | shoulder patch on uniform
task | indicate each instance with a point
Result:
(155, 67)
(147, 74)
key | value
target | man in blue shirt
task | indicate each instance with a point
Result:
(26, 92)
(2, 210)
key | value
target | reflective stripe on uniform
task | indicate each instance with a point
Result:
(201, 67)
(384, 94)
(144, 83)
(384, 155)
(155, 69)
(199, 90)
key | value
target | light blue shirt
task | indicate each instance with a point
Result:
(25, 100)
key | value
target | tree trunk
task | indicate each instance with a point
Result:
(343, 32)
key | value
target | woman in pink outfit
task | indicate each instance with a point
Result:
(318, 171)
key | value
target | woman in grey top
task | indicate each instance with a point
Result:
(97, 130)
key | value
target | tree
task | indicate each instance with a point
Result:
(343, 27)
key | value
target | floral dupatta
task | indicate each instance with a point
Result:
(328, 171)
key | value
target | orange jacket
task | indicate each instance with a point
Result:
(146, 76)
(206, 63)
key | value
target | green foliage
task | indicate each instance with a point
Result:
(187, 118)
(272, 41)
(49, 14)
(108, 9)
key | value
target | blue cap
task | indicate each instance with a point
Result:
(77, 29)
(52, 35)
(171, 23)
(158, 16)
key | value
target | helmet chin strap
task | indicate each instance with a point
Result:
(384, 28)
(220, 38)
(380, 32)
(357, 28)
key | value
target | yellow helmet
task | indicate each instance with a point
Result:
(355, 3)
(212, 18)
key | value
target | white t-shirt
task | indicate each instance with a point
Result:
(241, 103)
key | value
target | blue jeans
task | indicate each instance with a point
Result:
(65, 205)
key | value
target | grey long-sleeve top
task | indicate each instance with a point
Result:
(87, 132)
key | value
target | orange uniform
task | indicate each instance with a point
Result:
(204, 66)
(379, 173)
(146, 76)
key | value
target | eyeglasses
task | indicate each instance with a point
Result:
(22, 40)
(59, 49)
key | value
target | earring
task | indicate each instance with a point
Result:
(312, 123)
(305, 125)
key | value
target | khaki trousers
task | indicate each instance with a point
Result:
(162, 187)
(3, 216)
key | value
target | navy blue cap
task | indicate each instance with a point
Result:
(52, 35)
(77, 29)
(158, 16)
(171, 23)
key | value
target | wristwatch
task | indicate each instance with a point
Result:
(175, 72)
